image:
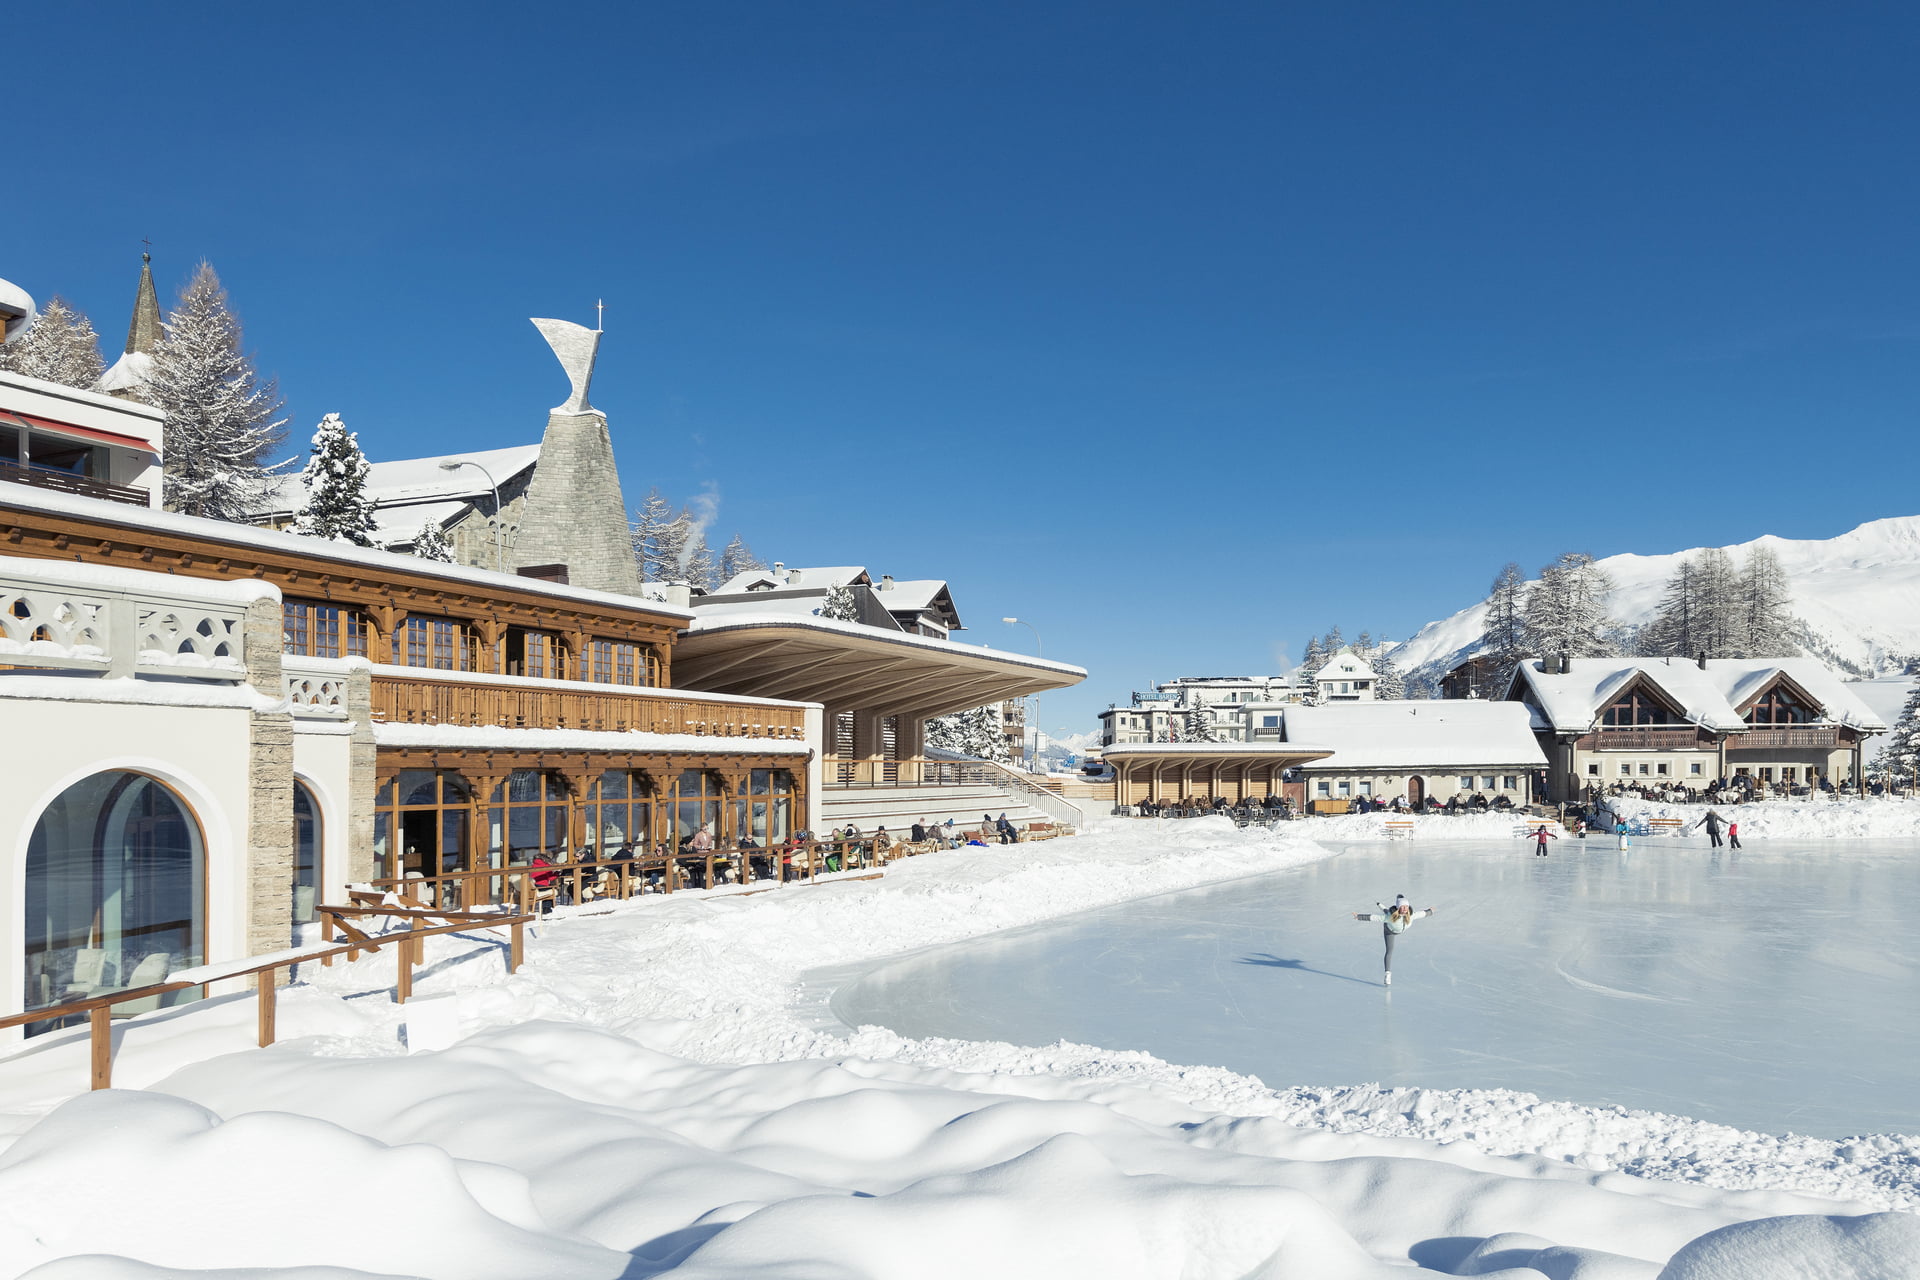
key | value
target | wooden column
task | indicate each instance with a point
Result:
(487, 634)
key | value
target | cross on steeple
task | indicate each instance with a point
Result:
(600, 306)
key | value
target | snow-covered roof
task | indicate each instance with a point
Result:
(16, 306)
(1413, 735)
(818, 579)
(722, 617)
(23, 497)
(1345, 665)
(407, 481)
(1715, 696)
(914, 595)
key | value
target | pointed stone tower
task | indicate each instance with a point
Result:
(127, 379)
(575, 517)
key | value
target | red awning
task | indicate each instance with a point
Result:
(83, 433)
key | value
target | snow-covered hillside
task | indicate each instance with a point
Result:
(1858, 596)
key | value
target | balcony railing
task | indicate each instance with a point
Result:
(1812, 736)
(189, 628)
(399, 699)
(67, 482)
(1645, 739)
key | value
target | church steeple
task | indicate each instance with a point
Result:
(144, 332)
(127, 379)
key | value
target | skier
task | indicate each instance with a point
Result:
(1540, 837)
(1712, 823)
(1733, 835)
(1394, 921)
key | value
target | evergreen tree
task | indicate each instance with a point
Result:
(337, 505)
(60, 346)
(1901, 752)
(220, 416)
(1333, 642)
(1720, 633)
(650, 523)
(980, 732)
(433, 544)
(737, 558)
(1198, 724)
(840, 605)
(1766, 626)
(1503, 635)
(1566, 609)
(1365, 647)
(1676, 628)
(1388, 682)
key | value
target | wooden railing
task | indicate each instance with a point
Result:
(1784, 737)
(602, 708)
(99, 1009)
(67, 482)
(1644, 738)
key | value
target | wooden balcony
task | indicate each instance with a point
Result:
(423, 699)
(1810, 736)
(85, 486)
(1647, 738)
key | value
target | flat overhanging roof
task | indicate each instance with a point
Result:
(1160, 754)
(849, 667)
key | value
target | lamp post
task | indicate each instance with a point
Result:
(499, 555)
(1040, 650)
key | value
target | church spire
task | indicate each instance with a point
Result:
(144, 332)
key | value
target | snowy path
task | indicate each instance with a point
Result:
(1754, 989)
(643, 1099)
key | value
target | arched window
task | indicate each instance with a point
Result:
(619, 811)
(530, 813)
(420, 822)
(306, 856)
(767, 811)
(115, 893)
(692, 802)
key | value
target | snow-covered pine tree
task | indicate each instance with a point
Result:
(1721, 632)
(1766, 625)
(1901, 753)
(60, 346)
(840, 604)
(433, 544)
(1315, 658)
(1566, 609)
(337, 506)
(1333, 642)
(1364, 647)
(220, 416)
(1388, 682)
(980, 732)
(650, 523)
(737, 558)
(1197, 725)
(1503, 635)
(1675, 628)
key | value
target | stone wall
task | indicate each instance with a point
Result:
(270, 831)
(575, 513)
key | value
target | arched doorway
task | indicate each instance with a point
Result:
(1416, 791)
(115, 893)
(306, 857)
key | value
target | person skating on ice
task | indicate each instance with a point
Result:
(1394, 921)
(1733, 835)
(1712, 823)
(1540, 837)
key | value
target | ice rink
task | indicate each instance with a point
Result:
(1775, 989)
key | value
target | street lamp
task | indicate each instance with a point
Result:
(454, 464)
(1040, 650)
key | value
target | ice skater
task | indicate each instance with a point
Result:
(1621, 830)
(1394, 921)
(1540, 837)
(1712, 823)
(1733, 835)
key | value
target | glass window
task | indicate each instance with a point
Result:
(1626, 769)
(1637, 708)
(440, 644)
(1366, 788)
(529, 813)
(1344, 787)
(1593, 771)
(115, 894)
(1486, 784)
(1694, 769)
(1645, 769)
(320, 630)
(1466, 783)
(420, 820)
(1510, 782)
(619, 814)
(1663, 768)
(619, 662)
(766, 812)
(1320, 788)
(1269, 722)
(692, 801)
(306, 857)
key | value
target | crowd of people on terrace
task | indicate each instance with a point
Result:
(1741, 788)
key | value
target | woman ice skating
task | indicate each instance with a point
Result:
(1540, 837)
(1620, 830)
(1712, 823)
(1394, 921)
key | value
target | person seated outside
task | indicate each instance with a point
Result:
(546, 886)
(1008, 835)
(1453, 804)
(917, 833)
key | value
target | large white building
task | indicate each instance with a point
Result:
(1416, 750)
(1231, 707)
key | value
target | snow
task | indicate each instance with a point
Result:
(491, 737)
(318, 549)
(73, 573)
(645, 1098)
(1711, 696)
(145, 692)
(727, 617)
(1417, 735)
(1859, 594)
(1885, 697)
(1824, 819)
(132, 371)
(409, 480)
(18, 301)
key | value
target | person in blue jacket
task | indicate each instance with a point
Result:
(1394, 921)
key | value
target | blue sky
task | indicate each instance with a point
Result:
(1183, 332)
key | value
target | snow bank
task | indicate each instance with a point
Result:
(645, 1099)
(1787, 819)
(1345, 827)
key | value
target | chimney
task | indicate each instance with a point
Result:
(680, 595)
(779, 568)
(886, 582)
(1703, 659)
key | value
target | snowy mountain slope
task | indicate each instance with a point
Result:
(1858, 595)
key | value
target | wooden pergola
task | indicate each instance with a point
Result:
(1168, 772)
